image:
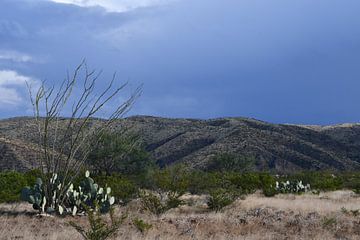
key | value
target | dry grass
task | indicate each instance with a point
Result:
(324, 203)
(281, 217)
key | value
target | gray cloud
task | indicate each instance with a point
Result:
(15, 56)
(280, 61)
(13, 86)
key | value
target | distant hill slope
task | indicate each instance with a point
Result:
(278, 147)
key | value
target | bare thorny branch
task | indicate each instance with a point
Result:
(66, 148)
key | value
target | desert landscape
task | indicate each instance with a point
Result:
(179, 119)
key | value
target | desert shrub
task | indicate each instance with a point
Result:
(173, 200)
(32, 175)
(141, 225)
(220, 198)
(356, 190)
(268, 184)
(11, 184)
(117, 152)
(99, 228)
(173, 178)
(245, 183)
(204, 182)
(351, 181)
(197, 180)
(323, 181)
(152, 203)
(122, 189)
(160, 202)
(226, 162)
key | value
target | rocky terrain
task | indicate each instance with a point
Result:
(277, 147)
(332, 215)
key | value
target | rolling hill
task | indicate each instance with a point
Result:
(276, 147)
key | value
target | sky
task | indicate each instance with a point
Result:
(279, 61)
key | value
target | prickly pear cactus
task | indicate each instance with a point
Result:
(87, 194)
(37, 198)
(75, 200)
(34, 195)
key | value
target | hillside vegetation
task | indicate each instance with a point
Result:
(275, 147)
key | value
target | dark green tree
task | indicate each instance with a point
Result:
(119, 153)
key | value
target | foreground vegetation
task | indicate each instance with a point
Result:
(178, 180)
(329, 215)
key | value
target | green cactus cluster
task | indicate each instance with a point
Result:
(87, 194)
(75, 200)
(35, 195)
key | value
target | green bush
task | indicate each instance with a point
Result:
(99, 228)
(119, 152)
(141, 225)
(245, 183)
(11, 184)
(121, 188)
(201, 182)
(220, 198)
(268, 184)
(157, 203)
(173, 178)
(173, 200)
(152, 203)
(323, 181)
(351, 181)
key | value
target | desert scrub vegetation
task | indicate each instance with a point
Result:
(123, 189)
(141, 225)
(119, 152)
(180, 179)
(159, 203)
(99, 228)
(220, 198)
(12, 183)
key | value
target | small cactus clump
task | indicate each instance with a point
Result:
(34, 195)
(88, 193)
(75, 200)
(292, 187)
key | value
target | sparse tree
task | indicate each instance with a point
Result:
(119, 152)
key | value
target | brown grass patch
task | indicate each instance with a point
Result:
(282, 217)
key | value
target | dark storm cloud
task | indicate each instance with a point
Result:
(281, 61)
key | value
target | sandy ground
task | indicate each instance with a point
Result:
(256, 217)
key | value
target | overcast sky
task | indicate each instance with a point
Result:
(280, 61)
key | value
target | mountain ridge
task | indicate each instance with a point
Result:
(276, 147)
